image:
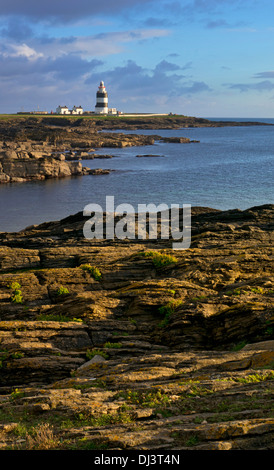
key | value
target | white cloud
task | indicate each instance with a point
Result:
(21, 50)
(97, 45)
(85, 47)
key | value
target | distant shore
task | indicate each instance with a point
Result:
(133, 120)
(35, 147)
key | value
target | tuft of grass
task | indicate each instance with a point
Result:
(112, 345)
(62, 290)
(192, 441)
(87, 418)
(146, 399)
(41, 438)
(17, 394)
(239, 346)
(167, 310)
(16, 295)
(94, 352)
(159, 259)
(95, 272)
(255, 378)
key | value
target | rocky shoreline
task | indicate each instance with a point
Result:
(130, 345)
(36, 148)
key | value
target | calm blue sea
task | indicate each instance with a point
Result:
(231, 167)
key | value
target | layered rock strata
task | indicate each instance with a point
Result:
(128, 344)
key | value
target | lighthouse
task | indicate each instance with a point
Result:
(101, 100)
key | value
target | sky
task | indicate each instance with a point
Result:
(204, 58)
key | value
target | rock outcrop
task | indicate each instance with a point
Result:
(130, 345)
(20, 170)
(37, 149)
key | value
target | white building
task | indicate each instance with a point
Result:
(62, 110)
(77, 110)
(65, 110)
(101, 100)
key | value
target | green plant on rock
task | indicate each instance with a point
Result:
(41, 437)
(239, 346)
(95, 352)
(167, 310)
(16, 295)
(257, 290)
(58, 318)
(17, 394)
(87, 418)
(159, 259)
(112, 345)
(255, 378)
(62, 290)
(4, 354)
(146, 399)
(95, 272)
(17, 355)
(192, 441)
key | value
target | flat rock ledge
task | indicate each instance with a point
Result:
(138, 355)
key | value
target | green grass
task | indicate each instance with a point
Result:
(239, 346)
(92, 117)
(192, 441)
(87, 418)
(149, 399)
(16, 295)
(17, 394)
(159, 259)
(112, 345)
(95, 272)
(167, 310)
(95, 352)
(62, 290)
(58, 318)
(255, 378)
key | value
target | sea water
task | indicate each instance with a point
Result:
(231, 167)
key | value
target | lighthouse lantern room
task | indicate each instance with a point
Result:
(101, 100)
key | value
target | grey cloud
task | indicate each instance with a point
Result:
(195, 87)
(265, 85)
(68, 10)
(137, 80)
(269, 74)
(68, 67)
(153, 22)
(217, 24)
(209, 5)
(165, 66)
(173, 54)
(16, 29)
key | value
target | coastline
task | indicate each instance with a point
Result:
(37, 148)
(127, 341)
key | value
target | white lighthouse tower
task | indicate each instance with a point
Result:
(101, 100)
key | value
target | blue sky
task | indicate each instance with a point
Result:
(196, 57)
